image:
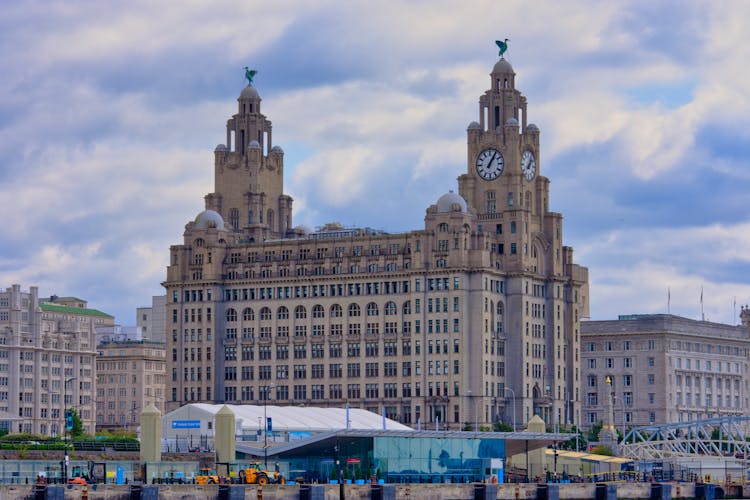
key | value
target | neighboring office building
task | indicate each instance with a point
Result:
(473, 318)
(118, 333)
(664, 368)
(43, 344)
(151, 320)
(130, 375)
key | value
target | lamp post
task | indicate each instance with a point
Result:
(514, 406)
(265, 418)
(66, 459)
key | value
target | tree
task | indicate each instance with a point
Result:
(594, 431)
(502, 427)
(572, 444)
(601, 450)
(77, 430)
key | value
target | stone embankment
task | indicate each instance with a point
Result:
(582, 491)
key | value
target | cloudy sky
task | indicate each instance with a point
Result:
(109, 114)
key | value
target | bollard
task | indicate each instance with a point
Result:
(260, 492)
(541, 492)
(304, 492)
(85, 493)
(40, 491)
(479, 491)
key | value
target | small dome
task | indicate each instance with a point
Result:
(511, 121)
(474, 126)
(209, 219)
(249, 92)
(220, 147)
(502, 66)
(253, 144)
(451, 202)
(277, 149)
(532, 128)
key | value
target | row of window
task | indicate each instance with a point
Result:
(625, 345)
(318, 350)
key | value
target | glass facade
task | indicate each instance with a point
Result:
(396, 459)
(416, 460)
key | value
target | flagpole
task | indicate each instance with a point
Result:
(703, 316)
(669, 300)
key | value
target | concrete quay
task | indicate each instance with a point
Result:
(578, 491)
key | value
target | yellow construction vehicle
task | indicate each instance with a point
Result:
(255, 475)
(206, 476)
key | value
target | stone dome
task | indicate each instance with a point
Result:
(249, 92)
(502, 66)
(220, 147)
(253, 144)
(451, 202)
(277, 149)
(511, 121)
(532, 127)
(474, 126)
(208, 219)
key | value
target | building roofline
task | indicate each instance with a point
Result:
(81, 311)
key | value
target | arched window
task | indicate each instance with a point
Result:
(372, 309)
(354, 310)
(269, 220)
(282, 313)
(336, 311)
(234, 218)
(250, 217)
(265, 314)
(390, 308)
(407, 307)
(199, 242)
(318, 311)
(300, 312)
(443, 227)
(231, 314)
(248, 314)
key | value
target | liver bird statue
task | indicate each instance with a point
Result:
(249, 74)
(503, 46)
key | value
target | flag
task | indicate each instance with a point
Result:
(383, 412)
(347, 415)
(419, 424)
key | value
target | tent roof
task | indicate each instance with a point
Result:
(293, 418)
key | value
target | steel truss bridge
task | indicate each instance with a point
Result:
(721, 437)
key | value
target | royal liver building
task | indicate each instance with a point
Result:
(473, 318)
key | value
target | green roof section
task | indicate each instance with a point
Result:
(46, 307)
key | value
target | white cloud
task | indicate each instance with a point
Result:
(101, 165)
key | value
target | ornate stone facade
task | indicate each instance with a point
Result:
(473, 318)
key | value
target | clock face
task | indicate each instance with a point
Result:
(490, 164)
(528, 165)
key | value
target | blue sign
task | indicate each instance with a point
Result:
(69, 420)
(186, 424)
(269, 426)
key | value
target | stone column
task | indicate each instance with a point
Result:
(150, 434)
(224, 439)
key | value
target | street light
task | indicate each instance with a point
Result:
(265, 417)
(66, 459)
(514, 406)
